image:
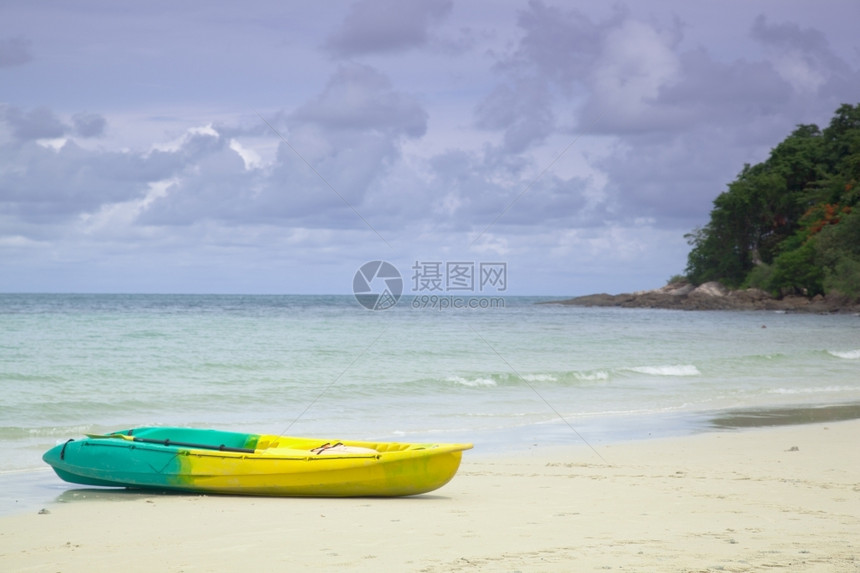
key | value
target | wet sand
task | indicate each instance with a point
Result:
(785, 416)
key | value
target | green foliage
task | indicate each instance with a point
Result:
(790, 224)
(713, 257)
(840, 239)
(844, 278)
(838, 251)
(761, 277)
(796, 272)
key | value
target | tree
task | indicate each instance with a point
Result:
(790, 223)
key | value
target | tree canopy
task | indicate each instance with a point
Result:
(791, 224)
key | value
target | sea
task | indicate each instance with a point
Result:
(506, 374)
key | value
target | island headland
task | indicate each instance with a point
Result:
(715, 296)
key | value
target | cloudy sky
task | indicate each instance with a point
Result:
(274, 147)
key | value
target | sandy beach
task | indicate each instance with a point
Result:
(750, 500)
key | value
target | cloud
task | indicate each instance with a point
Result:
(626, 76)
(42, 123)
(57, 181)
(557, 47)
(342, 143)
(359, 98)
(212, 184)
(634, 66)
(801, 56)
(611, 72)
(349, 133)
(474, 194)
(14, 52)
(683, 121)
(591, 137)
(47, 185)
(89, 124)
(560, 45)
(378, 26)
(522, 109)
(38, 123)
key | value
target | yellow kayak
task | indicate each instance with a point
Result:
(213, 461)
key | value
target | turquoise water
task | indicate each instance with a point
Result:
(323, 365)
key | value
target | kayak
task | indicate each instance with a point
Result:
(214, 461)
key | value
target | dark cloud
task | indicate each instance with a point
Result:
(557, 49)
(633, 77)
(561, 45)
(14, 52)
(716, 116)
(701, 91)
(38, 123)
(670, 179)
(790, 36)
(360, 98)
(522, 110)
(89, 124)
(804, 57)
(492, 191)
(613, 69)
(47, 185)
(683, 121)
(54, 183)
(707, 87)
(213, 185)
(374, 26)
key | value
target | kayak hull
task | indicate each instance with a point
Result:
(212, 461)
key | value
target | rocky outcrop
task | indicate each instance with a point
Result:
(715, 296)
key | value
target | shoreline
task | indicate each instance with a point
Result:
(745, 499)
(29, 490)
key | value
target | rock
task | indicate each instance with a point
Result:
(751, 295)
(682, 290)
(715, 296)
(710, 289)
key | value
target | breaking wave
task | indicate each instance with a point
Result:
(847, 354)
(671, 370)
(472, 382)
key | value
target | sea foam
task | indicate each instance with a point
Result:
(539, 378)
(670, 370)
(472, 382)
(847, 354)
(592, 376)
(810, 390)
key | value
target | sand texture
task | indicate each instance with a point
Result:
(773, 499)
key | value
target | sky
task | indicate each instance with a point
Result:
(276, 147)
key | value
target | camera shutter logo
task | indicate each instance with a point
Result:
(377, 285)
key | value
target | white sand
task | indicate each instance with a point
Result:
(723, 501)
